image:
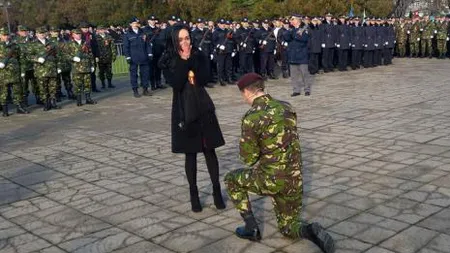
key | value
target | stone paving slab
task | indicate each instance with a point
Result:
(375, 147)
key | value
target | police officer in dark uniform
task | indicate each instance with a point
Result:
(328, 43)
(343, 43)
(357, 40)
(267, 44)
(369, 43)
(379, 38)
(138, 53)
(389, 43)
(246, 44)
(157, 41)
(202, 39)
(282, 47)
(256, 54)
(224, 49)
(315, 48)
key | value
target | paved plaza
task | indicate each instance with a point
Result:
(375, 146)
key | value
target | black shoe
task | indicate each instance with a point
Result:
(230, 82)
(54, 105)
(48, 105)
(5, 111)
(252, 235)
(38, 100)
(146, 92)
(110, 85)
(153, 88)
(285, 75)
(70, 95)
(264, 77)
(136, 93)
(316, 233)
(273, 77)
(103, 84)
(79, 102)
(25, 101)
(222, 83)
(209, 85)
(196, 207)
(295, 94)
(307, 93)
(160, 86)
(89, 100)
(21, 110)
(218, 200)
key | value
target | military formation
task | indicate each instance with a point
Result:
(44, 63)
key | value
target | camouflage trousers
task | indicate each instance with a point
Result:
(105, 70)
(426, 47)
(414, 48)
(401, 47)
(82, 83)
(287, 200)
(65, 78)
(442, 47)
(27, 80)
(47, 87)
(17, 93)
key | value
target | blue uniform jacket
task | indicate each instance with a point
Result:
(298, 45)
(137, 46)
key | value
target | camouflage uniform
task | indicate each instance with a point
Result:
(270, 144)
(442, 38)
(64, 65)
(82, 69)
(46, 72)
(401, 37)
(26, 66)
(10, 73)
(414, 39)
(426, 38)
(107, 55)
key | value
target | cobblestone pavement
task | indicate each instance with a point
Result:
(376, 149)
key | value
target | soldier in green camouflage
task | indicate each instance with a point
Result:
(10, 73)
(441, 37)
(427, 37)
(401, 38)
(64, 65)
(107, 55)
(44, 54)
(26, 66)
(414, 38)
(82, 66)
(270, 147)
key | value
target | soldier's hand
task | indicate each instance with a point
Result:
(2, 65)
(150, 57)
(92, 69)
(97, 59)
(22, 74)
(59, 71)
(76, 59)
(129, 60)
(211, 56)
(233, 54)
(41, 60)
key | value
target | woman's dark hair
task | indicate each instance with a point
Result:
(169, 56)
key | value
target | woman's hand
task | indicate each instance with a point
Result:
(185, 52)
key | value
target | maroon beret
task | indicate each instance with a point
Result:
(248, 79)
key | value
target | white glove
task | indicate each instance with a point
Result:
(233, 54)
(253, 51)
(22, 74)
(408, 32)
(222, 47)
(211, 56)
(241, 44)
(286, 44)
(275, 52)
(418, 39)
(199, 49)
(2, 65)
(323, 45)
(387, 43)
(97, 59)
(448, 38)
(395, 42)
(435, 31)
(431, 36)
(421, 29)
(244, 45)
(365, 45)
(260, 42)
(76, 59)
(353, 45)
(59, 71)
(349, 44)
(376, 45)
(338, 45)
(92, 69)
(41, 60)
(264, 42)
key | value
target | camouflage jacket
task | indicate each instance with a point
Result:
(24, 44)
(84, 52)
(415, 32)
(63, 55)
(441, 28)
(49, 52)
(107, 52)
(269, 137)
(9, 55)
(428, 30)
(401, 34)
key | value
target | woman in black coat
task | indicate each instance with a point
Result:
(202, 134)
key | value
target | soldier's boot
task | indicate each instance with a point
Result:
(58, 96)
(316, 234)
(230, 81)
(25, 101)
(272, 76)
(222, 82)
(217, 195)
(54, 105)
(20, 109)
(89, 100)
(5, 111)
(136, 93)
(146, 93)
(94, 88)
(103, 84)
(285, 74)
(110, 85)
(38, 100)
(79, 102)
(70, 95)
(48, 105)
(196, 207)
(160, 86)
(250, 231)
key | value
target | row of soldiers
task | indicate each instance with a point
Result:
(48, 60)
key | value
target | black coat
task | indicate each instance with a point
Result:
(205, 133)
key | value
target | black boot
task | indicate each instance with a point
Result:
(272, 76)
(5, 111)
(285, 74)
(38, 100)
(110, 84)
(25, 101)
(160, 86)
(70, 95)
(103, 84)
(136, 93)
(54, 105)
(218, 200)
(58, 96)
(94, 88)
(48, 105)
(145, 92)
(250, 231)
(195, 201)
(222, 82)
(89, 100)
(316, 233)
(20, 109)
(79, 102)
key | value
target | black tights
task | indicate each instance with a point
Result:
(211, 162)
